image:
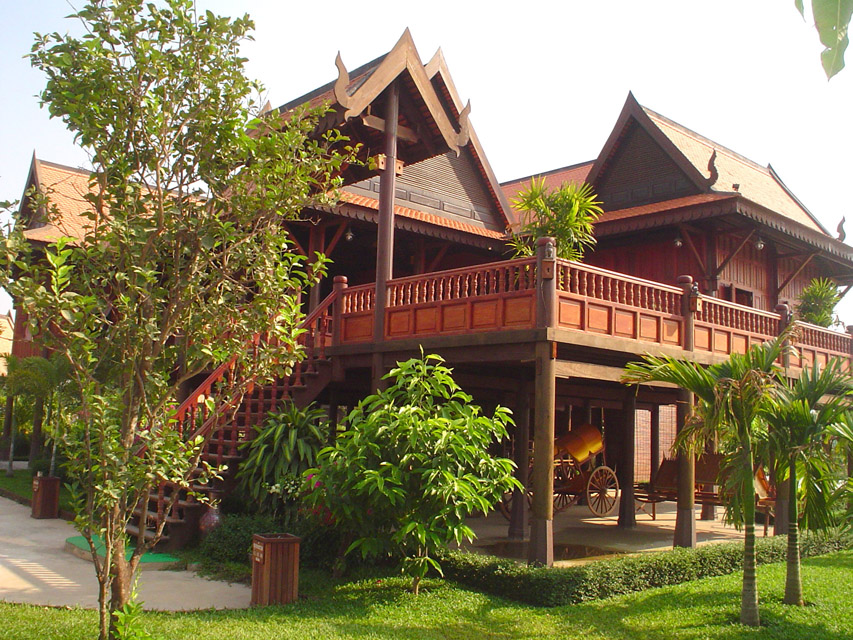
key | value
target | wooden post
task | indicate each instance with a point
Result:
(518, 513)
(685, 519)
(627, 513)
(780, 509)
(385, 232)
(338, 287)
(541, 547)
(316, 244)
(654, 436)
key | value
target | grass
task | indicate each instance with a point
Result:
(381, 608)
(21, 485)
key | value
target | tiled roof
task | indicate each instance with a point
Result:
(423, 216)
(758, 184)
(66, 187)
(666, 205)
(555, 178)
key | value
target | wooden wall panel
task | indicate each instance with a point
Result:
(454, 317)
(357, 328)
(519, 312)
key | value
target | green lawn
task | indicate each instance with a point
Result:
(381, 609)
(22, 485)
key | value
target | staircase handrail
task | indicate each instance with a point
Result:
(218, 374)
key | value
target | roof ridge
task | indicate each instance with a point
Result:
(700, 138)
(549, 172)
(65, 167)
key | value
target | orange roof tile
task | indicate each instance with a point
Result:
(423, 216)
(666, 205)
(66, 189)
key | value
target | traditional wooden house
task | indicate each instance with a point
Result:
(697, 247)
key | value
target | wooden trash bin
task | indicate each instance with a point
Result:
(45, 497)
(275, 568)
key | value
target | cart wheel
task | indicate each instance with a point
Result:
(602, 491)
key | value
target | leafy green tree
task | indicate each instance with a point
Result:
(817, 302)
(277, 457)
(802, 420)
(184, 258)
(732, 396)
(832, 21)
(567, 214)
(411, 465)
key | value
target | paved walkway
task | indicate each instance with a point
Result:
(35, 569)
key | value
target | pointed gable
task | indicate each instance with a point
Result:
(446, 179)
(648, 158)
(67, 189)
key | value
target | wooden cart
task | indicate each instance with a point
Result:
(576, 474)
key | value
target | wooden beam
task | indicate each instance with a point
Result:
(437, 258)
(845, 292)
(295, 242)
(685, 234)
(338, 233)
(796, 271)
(734, 253)
(378, 124)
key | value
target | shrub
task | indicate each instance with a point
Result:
(411, 465)
(607, 578)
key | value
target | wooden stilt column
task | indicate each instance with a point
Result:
(385, 232)
(587, 411)
(541, 547)
(685, 519)
(627, 512)
(518, 513)
(655, 442)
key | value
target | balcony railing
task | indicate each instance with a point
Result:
(509, 295)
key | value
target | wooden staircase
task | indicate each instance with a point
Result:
(224, 430)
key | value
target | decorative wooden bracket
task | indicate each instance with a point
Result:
(685, 234)
(341, 83)
(464, 129)
(377, 123)
(736, 251)
(796, 271)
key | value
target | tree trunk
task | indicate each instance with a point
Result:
(781, 515)
(749, 592)
(7, 425)
(37, 438)
(10, 471)
(122, 586)
(793, 582)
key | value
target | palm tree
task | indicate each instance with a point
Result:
(731, 396)
(805, 416)
(809, 412)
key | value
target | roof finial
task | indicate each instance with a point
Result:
(712, 168)
(841, 233)
(464, 129)
(341, 83)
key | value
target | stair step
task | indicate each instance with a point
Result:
(152, 515)
(133, 532)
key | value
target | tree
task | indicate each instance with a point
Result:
(411, 465)
(184, 259)
(832, 20)
(802, 420)
(732, 396)
(567, 214)
(817, 301)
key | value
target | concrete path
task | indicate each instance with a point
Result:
(35, 569)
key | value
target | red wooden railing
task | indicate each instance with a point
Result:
(496, 278)
(600, 284)
(814, 344)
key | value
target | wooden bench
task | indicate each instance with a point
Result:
(664, 486)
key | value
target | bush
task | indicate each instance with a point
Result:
(607, 578)
(231, 541)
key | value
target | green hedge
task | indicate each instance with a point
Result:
(606, 578)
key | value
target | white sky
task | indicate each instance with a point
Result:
(546, 79)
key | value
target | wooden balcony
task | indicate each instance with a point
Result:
(573, 303)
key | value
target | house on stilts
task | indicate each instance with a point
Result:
(700, 254)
